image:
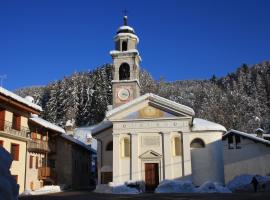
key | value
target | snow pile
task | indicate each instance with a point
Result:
(173, 186)
(241, 183)
(44, 190)
(9, 189)
(121, 188)
(116, 188)
(210, 187)
(245, 183)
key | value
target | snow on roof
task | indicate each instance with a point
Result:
(247, 135)
(157, 99)
(19, 99)
(101, 126)
(47, 124)
(128, 51)
(126, 28)
(204, 125)
(127, 35)
(78, 142)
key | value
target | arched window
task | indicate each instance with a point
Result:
(176, 146)
(109, 146)
(124, 46)
(197, 143)
(124, 72)
(125, 147)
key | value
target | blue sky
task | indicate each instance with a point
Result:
(45, 40)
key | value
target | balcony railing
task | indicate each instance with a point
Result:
(46, 173)
(38, 146)
(8, 128)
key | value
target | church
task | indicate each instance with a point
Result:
(149, 138)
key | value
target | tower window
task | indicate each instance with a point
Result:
(124, 46)
(124, 72)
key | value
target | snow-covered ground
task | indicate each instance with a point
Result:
(173, 186)
(9, 189)
(44, 190)
(113, 188)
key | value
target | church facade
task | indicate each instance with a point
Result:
(149, 138)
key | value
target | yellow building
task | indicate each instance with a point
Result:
(14, 131)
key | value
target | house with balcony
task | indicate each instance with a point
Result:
(40, 167)
(15, 112)
(56, 158)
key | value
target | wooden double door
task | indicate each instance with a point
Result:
(151, 176)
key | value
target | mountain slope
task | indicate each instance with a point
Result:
(240, 100)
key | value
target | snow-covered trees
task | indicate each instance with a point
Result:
(240, 100)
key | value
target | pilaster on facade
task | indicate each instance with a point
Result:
(187, 170)
(166, 145)
(116, 154)
(135, 175)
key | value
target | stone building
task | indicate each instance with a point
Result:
(149, 138)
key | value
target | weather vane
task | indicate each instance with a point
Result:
(2, 77)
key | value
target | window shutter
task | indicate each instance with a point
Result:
(2, 119)
(18, 123)
(31, 162)
(36, 162)
(15, 148)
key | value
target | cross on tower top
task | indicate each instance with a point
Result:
(125, 11)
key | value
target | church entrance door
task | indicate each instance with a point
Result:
(151, 176)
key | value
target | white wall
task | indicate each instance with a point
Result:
(252, 158)
(207, 163)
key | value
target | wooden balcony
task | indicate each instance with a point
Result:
(9, 129)
(46, 173)
(38, 146)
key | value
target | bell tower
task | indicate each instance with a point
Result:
(126, 65)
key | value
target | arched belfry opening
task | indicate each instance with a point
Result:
(124, 46)
(124, 72)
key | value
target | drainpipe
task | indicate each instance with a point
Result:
(25, 166)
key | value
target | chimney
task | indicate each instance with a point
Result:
(70, 126)
(259, 132)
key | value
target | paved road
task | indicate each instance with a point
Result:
(86, 195)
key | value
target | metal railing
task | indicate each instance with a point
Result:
(8, 128)
(38, 146)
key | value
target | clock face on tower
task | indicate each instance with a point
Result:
(123, 94)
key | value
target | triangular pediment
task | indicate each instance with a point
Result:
(150, 155)
(149, 106)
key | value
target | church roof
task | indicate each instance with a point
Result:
(204, 125)
(156, 99)
(125, 29)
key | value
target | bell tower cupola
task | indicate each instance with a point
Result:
(126, 65)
